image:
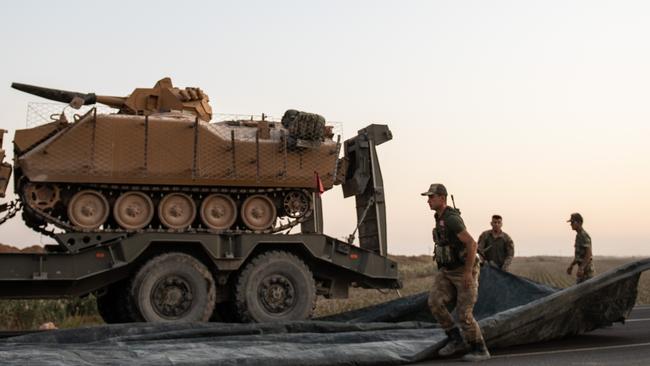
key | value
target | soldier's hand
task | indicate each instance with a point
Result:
(580, 272)
(569, 270)
(467, 279)
(481, 256)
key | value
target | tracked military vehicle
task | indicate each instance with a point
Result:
(168, 217)
(159, 164)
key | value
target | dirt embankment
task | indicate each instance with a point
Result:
(10, 249)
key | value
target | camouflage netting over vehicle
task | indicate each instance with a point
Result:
(158, 163)
(511, 310)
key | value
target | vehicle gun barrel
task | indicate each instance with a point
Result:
(58, 95)
(65, 96)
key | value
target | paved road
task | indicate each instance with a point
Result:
(621, 344)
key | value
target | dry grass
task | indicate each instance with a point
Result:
(415, 272)
(551, 271)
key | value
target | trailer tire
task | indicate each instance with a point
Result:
(275, 286)
(174, 287)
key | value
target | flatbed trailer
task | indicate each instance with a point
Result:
(165, 275)
(103, 263)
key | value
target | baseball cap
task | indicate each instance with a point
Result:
(436, 188)
(575, 217)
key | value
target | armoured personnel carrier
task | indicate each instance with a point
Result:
(159, 164)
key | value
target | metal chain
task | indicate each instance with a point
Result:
(12, 209)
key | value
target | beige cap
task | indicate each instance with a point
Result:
(576, 217)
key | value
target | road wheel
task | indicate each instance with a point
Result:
(218, 211)
(275, 286)
(88, 209)
(133, 210)
(258, 212)
(176, 211)
(174, 287)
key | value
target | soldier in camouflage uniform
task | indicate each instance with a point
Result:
(496, 246)
(583, 255)
(456, 281)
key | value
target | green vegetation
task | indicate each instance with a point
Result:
(416, 273)
(65, 313)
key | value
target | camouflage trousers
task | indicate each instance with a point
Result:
(448, 289)
(587, 273)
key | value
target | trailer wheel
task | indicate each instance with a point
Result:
(275, 286)
(113, 305)
(174, 287)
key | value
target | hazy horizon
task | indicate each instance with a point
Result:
(530, 110)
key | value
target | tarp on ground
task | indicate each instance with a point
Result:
(511, 310)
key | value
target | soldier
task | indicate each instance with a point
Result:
(456, 281)
(496, 246)
(583, 254)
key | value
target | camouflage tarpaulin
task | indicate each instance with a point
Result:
(498, 291)
(512, 311)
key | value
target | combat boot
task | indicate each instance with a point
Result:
(477, 352)
(454, 344)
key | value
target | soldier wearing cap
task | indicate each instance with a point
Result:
(456, 281)
(496, 246)
(583, 256)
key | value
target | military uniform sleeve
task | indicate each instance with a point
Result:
(510, 252)
(455, 224)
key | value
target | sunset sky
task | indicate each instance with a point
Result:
(529, 109)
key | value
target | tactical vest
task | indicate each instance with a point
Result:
(580, 250)
(449, 251)
(495, 249)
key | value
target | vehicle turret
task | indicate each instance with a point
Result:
(163, 97)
